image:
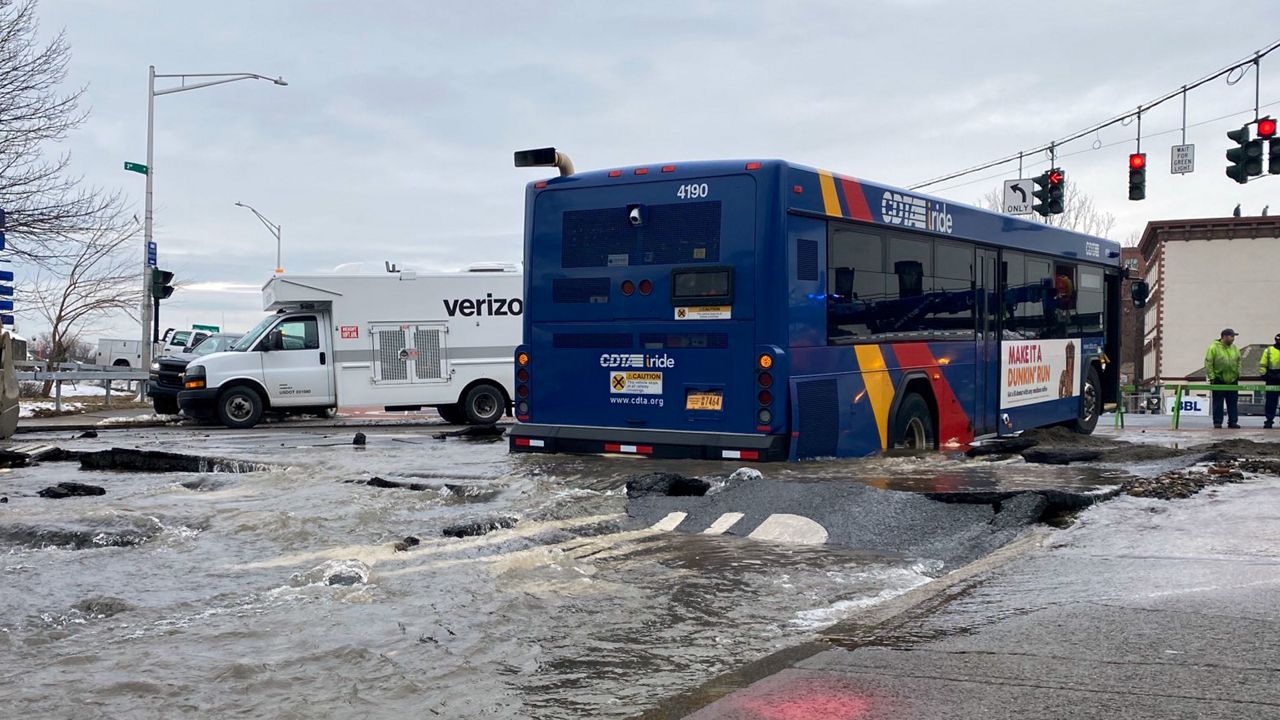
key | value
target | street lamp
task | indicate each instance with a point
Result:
(273, 228)
(209, 79)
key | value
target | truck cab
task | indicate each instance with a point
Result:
(282, 363)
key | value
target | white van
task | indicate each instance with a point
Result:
(396, 340)
(114, 352)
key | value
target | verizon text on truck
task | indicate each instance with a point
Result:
(397, 340)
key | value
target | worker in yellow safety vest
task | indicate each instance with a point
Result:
(1269, 366)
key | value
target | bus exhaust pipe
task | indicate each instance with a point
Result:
(545, 157)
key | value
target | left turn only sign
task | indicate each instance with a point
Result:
(1017, 197)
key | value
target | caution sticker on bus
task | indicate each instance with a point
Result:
(635, 383)
(705, 312)
(704, 401)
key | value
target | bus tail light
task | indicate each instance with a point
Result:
(765, 366)
(646, 287)
(524, 373)
(740, 454)
(628, 287)
(765, 379)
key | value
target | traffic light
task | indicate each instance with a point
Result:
(1266, 128)
(1137, 176)
(1246, 157)
(161, 288)
(1050, 186)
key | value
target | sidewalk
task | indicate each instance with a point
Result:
(1144, 609)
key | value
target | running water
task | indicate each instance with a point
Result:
(281, 593)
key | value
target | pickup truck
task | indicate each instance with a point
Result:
(166, 372)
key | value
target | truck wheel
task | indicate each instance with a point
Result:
(165, 405)
(913, 425)
(1090, 402)
(120, 363)
(452, 414)
(484, 405)
(239, 408)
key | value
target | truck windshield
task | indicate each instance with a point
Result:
(213, 344)
(251, 337)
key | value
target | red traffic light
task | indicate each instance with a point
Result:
(1137, 161)
(1266, 127)
(1055, 177)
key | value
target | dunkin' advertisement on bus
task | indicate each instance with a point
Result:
(1035, 371)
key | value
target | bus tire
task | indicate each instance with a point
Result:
(913, 425)
(452, 414)
(484, 404)
(1090, 402)
(240, 408)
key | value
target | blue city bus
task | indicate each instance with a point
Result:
(762, 310)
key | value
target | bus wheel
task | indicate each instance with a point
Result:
(239, 408)
(452, 414)
(913, 425)
(484, 405)
(1090, 402)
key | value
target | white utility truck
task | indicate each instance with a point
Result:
(400, 340)
(119, 353)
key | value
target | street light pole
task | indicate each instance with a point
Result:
(272, 228)
(152, 93)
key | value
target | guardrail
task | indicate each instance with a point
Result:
(72, 372)
(1180, 389)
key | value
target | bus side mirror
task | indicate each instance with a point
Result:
(1138, 292)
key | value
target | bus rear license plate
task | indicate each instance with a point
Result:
(704, 401)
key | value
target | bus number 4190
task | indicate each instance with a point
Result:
(693, 192)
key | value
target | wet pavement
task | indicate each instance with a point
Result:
(1143, 609)
(281, 592)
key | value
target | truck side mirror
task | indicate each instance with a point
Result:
(273, 341)
(1138, 292)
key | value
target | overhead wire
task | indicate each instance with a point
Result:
(1123, 118)
(1098, 145)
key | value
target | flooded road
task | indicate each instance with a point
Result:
(279, 593)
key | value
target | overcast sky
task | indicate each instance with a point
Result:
(393, 139)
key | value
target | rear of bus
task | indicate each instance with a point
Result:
(649, 328)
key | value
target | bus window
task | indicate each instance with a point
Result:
(1090, 300)
(1038, 314)
(855, 284)
(1015, 293)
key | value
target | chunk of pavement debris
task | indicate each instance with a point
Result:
(409, 542)
(333, 572)
(159, 461)
(476, 528)
(13, 459)
(470, 493)
(4, 500)
(1060, 455)
(746, 473)
(669, 484)
(358, 440)
(378, 482)
(475, 431)
(71, 489)
(87, 434)
(1010, 446)
(102, 606)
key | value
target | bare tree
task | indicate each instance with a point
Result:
(45, 205)
(95, 278)
(1080, 212)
